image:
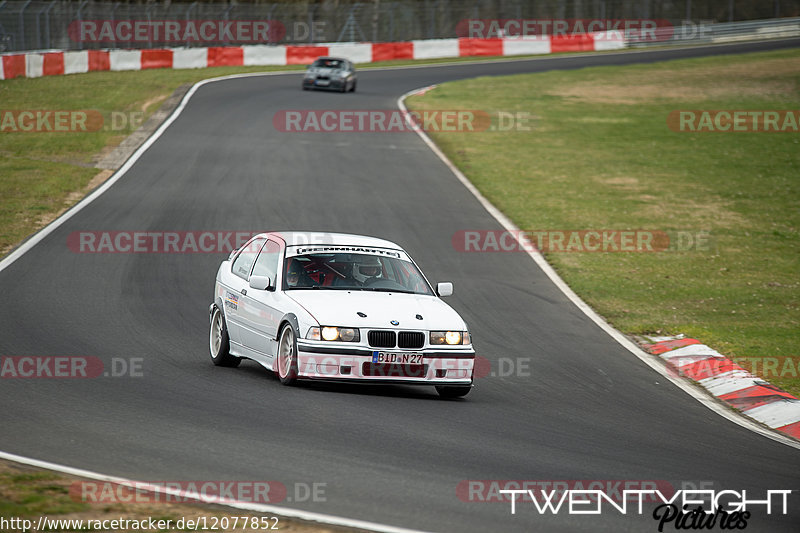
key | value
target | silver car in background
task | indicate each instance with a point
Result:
(333, 73)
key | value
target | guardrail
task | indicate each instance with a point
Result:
(56, 63)
(27, 25)
(706, 32)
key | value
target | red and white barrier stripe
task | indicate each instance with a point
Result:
(36, 64)
(731, 383)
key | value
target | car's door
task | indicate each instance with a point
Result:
(235, 285)
(263, 316)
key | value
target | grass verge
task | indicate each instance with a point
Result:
(601, 156)
(44, 173)
(27, 493)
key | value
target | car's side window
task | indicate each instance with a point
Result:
(267, 262)
(244, 261)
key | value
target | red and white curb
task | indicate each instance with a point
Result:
(58, 62)
(729, 382)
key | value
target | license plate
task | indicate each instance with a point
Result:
(323, 82)
(399, 358)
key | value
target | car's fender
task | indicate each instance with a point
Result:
(291, 319)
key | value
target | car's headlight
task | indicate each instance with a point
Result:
(450, 337)
(332, 333)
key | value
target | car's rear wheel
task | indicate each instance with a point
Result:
(453, 392)
(287, 356)
(353, 89)
(219, 343)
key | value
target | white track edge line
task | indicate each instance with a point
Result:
(285, 512)
(502, 219)
(646, 358)
(44, 232)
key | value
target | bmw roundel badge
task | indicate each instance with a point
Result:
(394, 323)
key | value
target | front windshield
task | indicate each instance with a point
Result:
(327, 63)
(352, 271)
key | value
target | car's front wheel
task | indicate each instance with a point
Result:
(287, 356)
(453, 392)
(219, 343)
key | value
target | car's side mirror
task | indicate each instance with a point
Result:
(444, 288)
(262, 283)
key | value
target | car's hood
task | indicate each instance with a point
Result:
(341, 308)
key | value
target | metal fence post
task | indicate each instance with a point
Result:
(189, 10)
(22, 24)
(47, 21)
(391, 21)
(311, 22)
(271, 32)
(80, 21)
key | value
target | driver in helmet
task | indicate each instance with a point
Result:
(367, 269)
(296, 275)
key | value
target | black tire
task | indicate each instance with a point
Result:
(353, 88)
(453, 392)
(219, 343)
(286, 358)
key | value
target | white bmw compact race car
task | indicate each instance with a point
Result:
(337, 307)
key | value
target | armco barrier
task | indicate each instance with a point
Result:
(53, 63)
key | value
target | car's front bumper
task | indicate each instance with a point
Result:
(332, 83)
(337, 363)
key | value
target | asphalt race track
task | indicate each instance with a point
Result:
(589, 410)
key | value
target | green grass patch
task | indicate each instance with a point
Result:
(33, 494)
(599, 155)
(42, 173)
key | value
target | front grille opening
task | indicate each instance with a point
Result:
(382, 339)
(410, 339)
(393, 370)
